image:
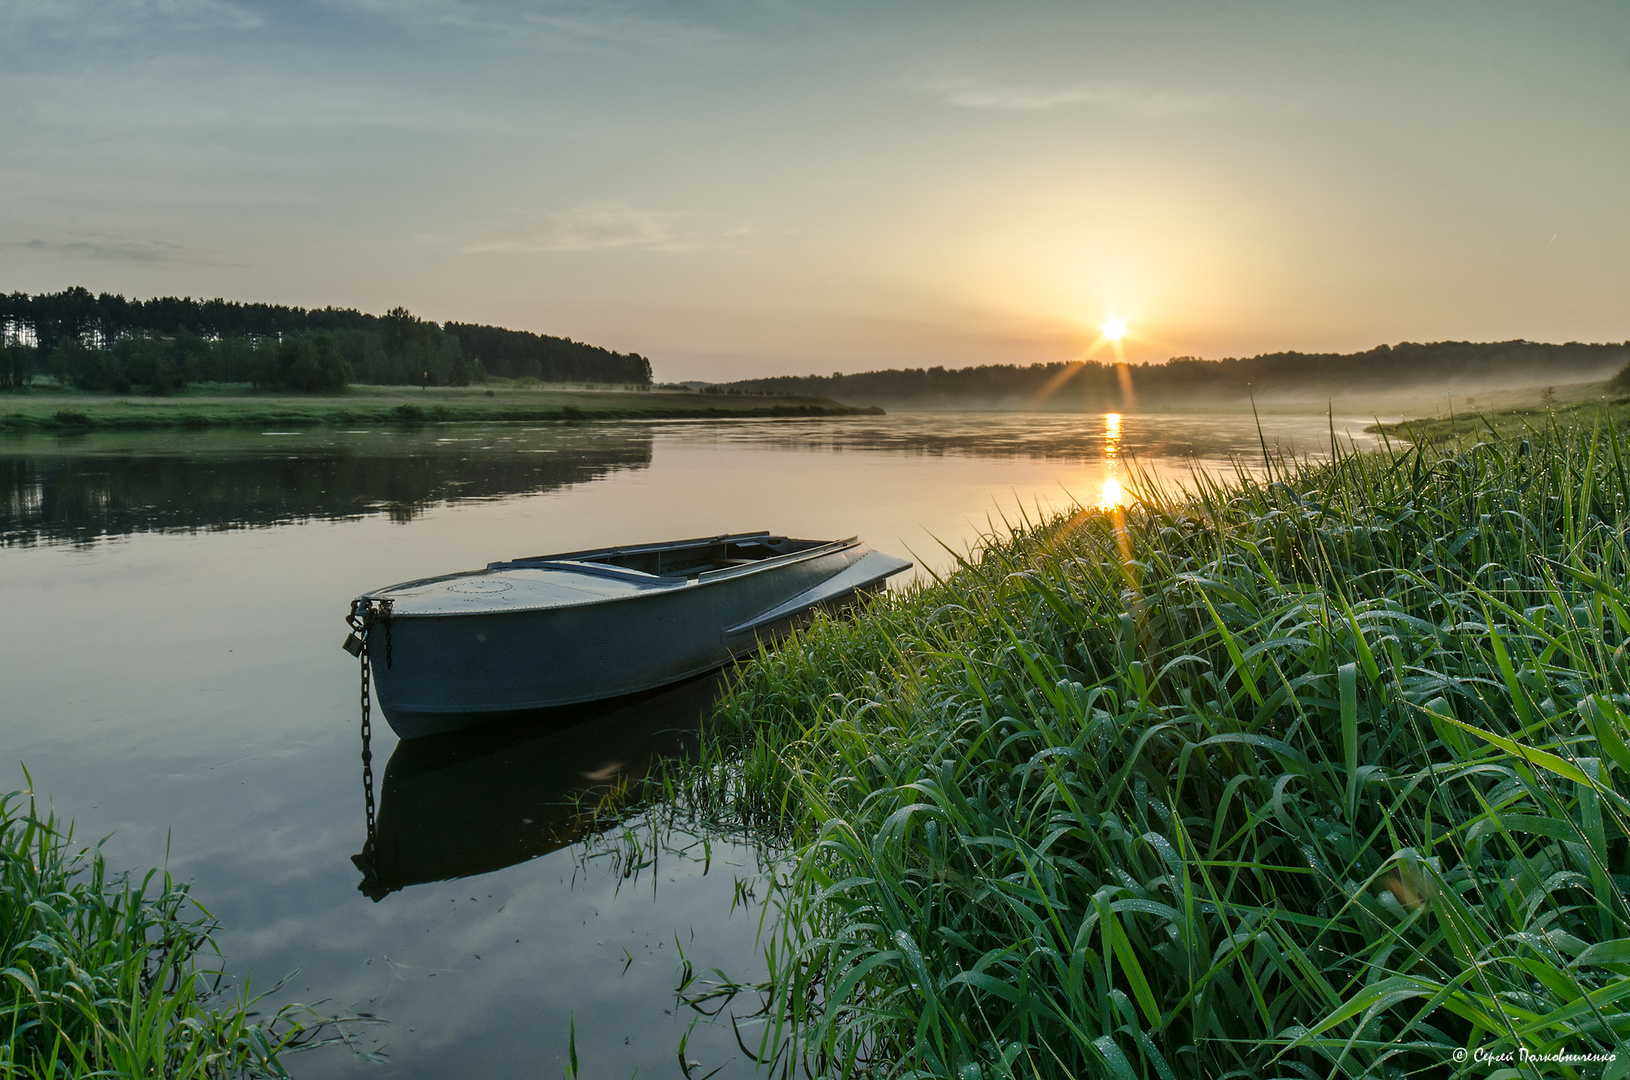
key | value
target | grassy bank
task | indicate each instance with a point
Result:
(374, 406)
(1514, 413)
(102, 976)
(1322, 776)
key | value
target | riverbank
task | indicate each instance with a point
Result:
(1511, 413)
(376, 405)
(109, 976)
(1320, 772)
(1391, 407)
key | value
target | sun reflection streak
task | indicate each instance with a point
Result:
(1113, 495)
(1113, 504)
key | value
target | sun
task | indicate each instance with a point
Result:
(1114, 328)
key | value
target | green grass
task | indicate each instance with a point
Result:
(103, 976)
(1516, 413)
(374, 405)
(1323, 774)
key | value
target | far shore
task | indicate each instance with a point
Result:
(1417, 413)
(1420, 400)
(50, 409)
(1507, 413)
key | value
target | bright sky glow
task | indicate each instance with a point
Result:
(1114, 329)
(739, 188)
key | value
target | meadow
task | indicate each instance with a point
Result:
(234, 406)
(1321, 772)
(1501, 416)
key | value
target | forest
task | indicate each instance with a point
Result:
(107, 343)
(1095, 385)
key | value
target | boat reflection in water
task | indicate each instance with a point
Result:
(475, 801)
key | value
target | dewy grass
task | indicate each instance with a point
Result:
(100, 976)
(1319, 774)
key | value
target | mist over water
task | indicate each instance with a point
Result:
(171, 605)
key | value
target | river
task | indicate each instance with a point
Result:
(171, 675)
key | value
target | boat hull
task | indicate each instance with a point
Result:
(435, 673)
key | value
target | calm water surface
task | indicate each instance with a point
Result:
(170, 618)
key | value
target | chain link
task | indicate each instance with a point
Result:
(367, 749)
(364, 613)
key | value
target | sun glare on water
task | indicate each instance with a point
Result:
(1112, 496)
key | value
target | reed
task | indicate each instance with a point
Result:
(104, 976)
(1317, 773)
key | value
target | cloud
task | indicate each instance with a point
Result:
(569, 24)
(109, 247)
(973, 93)
(102, 18)
(589, 227)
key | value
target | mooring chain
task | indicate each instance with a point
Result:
(363, 615)
(367, 750)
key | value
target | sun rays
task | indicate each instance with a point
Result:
(1112, 334)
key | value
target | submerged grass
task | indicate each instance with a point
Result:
(1323, 773)
(101, 976)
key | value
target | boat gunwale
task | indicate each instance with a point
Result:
(640, 549)
(652, 585)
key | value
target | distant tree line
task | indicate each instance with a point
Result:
(1095, 384)
(106, 342)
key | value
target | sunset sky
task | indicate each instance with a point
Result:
(741, 188)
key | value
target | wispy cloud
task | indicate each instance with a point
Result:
(589, 227)
(571, 24)
(104, 17)
(976, 93)
(109, 247)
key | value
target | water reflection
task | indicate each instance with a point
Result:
(87, 487)
(475, 801)
(1112, 495)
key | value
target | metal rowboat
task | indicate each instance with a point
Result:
(457, 650)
